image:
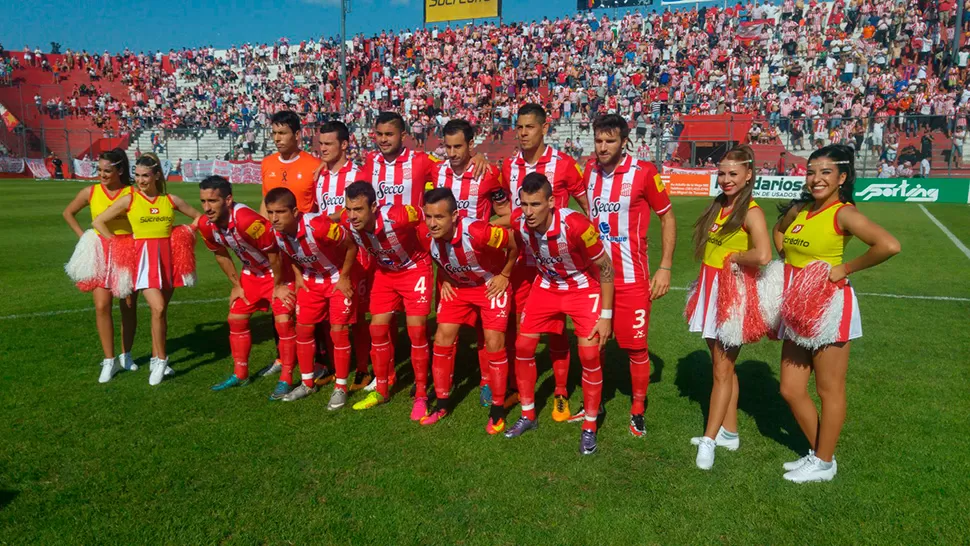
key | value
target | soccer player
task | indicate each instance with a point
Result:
(323, 258)
(290, 167)
(622, 190)
(575, 280)
(228, 225)
(334, 174)
(396, 239)
(535, 156)
(475, 262)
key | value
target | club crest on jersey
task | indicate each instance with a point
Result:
(385, 190)
(626, 190)
(600, 206)
(797, 228)
(153, 210)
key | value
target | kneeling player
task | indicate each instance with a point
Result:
(575, 280)
(231, 225)
(475, 260)
(324, 258)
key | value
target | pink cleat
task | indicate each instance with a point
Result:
(419, 409)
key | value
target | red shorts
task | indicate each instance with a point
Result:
(322, 301)
(631, 315)
(411, 289)
(547, 310)
(520, 283)
(259, 293)
(470, 303)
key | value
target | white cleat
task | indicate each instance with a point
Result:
(301, 391)
(814, 470)
(372, 386)
(796, 464)
(730, 444)
(705, 453)
(109, 367)
(158, 368)
(127, 363)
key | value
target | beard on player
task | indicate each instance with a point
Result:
(389, 136)
(215, 206)
(609, 146)
(361, 206)
(440, 213)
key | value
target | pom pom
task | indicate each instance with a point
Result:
(124, 264)
(771, 287)
(88, 266)
(755, 326)
(693, 292)
(737, 315)
(183, 256)
(812, 306)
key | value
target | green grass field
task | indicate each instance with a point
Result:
(125, 463)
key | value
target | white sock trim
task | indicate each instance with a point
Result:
(526, 407)
(305, 376)
(341, 381)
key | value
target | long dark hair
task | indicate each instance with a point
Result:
(738, 154)
(844, 158)
(152, 162)
(119, 160)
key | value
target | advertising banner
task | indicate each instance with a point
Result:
(907, 190)
(778, 187)
(437, 11)
(692, 184)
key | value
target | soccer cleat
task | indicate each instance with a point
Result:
(282, 389)
(721, 440)
(372, 386)
(521, 426)
(433, 417)
(419, 409)
(814, 470)
(273, 369)
(579, 416)
(511, 399)
(796, 464)
(361, 380)
(158, 368)
(373, 398)
(109, 367)
(637, 426)
(485, 397)
(560, 409)
(127, 363)
(323, 376)
(587, 442)
(232, 381)
(337, 400)
(495, 427)
(301, 391)
(705, 453)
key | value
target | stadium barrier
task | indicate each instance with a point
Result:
(919, 190)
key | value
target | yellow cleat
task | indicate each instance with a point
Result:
(373, 399)
(560, 409)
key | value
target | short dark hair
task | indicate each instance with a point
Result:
(343, 134)
(609, 123)
(361, 188)
(456, 126)
(281, 195)
(441, 194)
(533, 109)
(288, 118)
(216, 182)
(535, 182)
(391, 117)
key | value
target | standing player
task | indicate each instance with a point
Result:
(395, 238)
(399, 175)
(323, 258)
(576, 281)
(622, 191)
(289, 167)
(535, 156)
(228, 225)
(475, 262)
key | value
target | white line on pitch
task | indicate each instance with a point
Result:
(963, 248)
(878, 295)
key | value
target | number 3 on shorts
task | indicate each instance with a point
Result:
(421, 286)
(640, 315)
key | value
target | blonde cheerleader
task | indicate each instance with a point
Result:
(819, 313)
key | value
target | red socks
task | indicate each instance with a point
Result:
(381, 355)
(639, 378)
(341, 356)
(287, 347)
(498, 365)
(559, 354)
(420, 355)
(482, 356)
(240, 342)
(361, 341)
(306, 346)
(443, 369)
(589, 357)
(525, 371)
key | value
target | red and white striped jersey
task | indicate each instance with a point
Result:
(564, 254)
(619, 206)
(248, 235)
(399, 240)
(561, 170)
(317, 248)
(475, 254)
(330, 187)
(399, 182)
(474, 195)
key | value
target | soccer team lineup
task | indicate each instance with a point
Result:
(342, 254)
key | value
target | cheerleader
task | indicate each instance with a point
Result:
(90, 265)
(731, 238)
(819, 313)
(153, 271)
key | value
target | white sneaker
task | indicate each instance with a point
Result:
(169, 371)
(372, 386)
(795, 465)
(705, 453)
(730, 444)
(158, 368)
(812, 471)
(109, 367)
(127, 363)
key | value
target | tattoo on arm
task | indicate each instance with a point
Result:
(606, 269)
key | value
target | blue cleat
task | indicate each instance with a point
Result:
(282, 389)
(485, 398)
(587, 443)
(520, 427)
(233, 381)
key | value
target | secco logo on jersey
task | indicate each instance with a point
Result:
(797, 228)
(549, 260)
(385, 190)
(332, 200)
(463, 204)
(454, 269)
(600, 206)
(306, 259)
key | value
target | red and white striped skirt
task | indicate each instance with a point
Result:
(154, 264)
(815, 311)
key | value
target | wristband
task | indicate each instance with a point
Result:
(504, 275)
(606, 314)
(664, 268)
(845, 266)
